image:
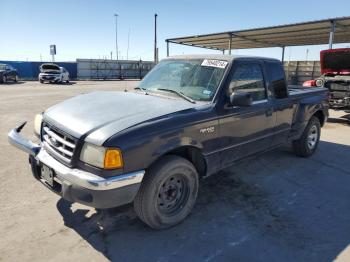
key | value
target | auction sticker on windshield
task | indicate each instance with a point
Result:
(214, 63)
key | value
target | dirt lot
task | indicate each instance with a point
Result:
(276, 207)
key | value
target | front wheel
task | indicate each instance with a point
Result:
(4, 79)
(167, 193)
(16, 79)
(307, 144)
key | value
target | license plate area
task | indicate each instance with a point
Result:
(47, 174)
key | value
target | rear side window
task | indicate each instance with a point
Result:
(277, 78)
(248, 78)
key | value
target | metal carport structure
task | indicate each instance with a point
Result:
(327, 31)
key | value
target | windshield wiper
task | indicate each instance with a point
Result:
(180, 94)
(142, 89)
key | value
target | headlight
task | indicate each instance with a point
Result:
(319, 82)
(37, 124)
(98, 156)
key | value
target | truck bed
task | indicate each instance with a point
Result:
(299, 92)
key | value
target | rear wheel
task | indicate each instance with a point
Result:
(307, 144)
(167, 193)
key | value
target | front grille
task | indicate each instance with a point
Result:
(49, 77)
(340, 87)
(58, 144)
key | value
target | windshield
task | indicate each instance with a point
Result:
(197, 79)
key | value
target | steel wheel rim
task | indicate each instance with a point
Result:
(312, 137)
(173, 195)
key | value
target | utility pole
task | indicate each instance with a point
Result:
(155, 39)
(116, 34)
(127, 50)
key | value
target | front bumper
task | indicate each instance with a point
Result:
(77, 185)
(53, 78)
(340, 103)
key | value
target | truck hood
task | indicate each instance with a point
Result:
(335, 61)
(100, 115)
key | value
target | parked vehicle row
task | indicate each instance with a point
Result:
(190, 117)
(48, 73)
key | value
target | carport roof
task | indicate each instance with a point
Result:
(306, 33)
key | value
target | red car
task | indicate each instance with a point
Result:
(335, 69)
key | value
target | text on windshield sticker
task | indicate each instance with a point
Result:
(214, 63)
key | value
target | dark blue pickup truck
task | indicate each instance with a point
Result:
(189, 117)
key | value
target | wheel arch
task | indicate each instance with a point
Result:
(321, 116)
(189, 152)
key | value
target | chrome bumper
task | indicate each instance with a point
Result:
(74, 176)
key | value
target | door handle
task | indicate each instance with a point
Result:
(269, 112)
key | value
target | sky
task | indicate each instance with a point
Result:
(86, 28)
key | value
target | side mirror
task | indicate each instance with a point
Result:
(240, 98)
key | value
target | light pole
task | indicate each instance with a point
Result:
(155, 39)
(116, 35)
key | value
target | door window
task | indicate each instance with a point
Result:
(248, 78)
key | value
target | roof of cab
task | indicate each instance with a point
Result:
(228, 58)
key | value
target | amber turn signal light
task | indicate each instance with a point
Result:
(113, 159)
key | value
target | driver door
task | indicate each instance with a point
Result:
(246, 130)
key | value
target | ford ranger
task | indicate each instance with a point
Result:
(189, 117)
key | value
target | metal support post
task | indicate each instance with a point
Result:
(331, 34)
(230, 45)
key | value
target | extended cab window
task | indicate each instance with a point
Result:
(248, 78)
(277, 78)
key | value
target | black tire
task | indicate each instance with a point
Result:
(307, 144)
(67, 81)
(16, 79)
(168, 192)
(41, 81)
(4, 79)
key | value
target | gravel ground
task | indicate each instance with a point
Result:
(275, 207)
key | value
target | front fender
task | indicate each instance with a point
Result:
(175, 143)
